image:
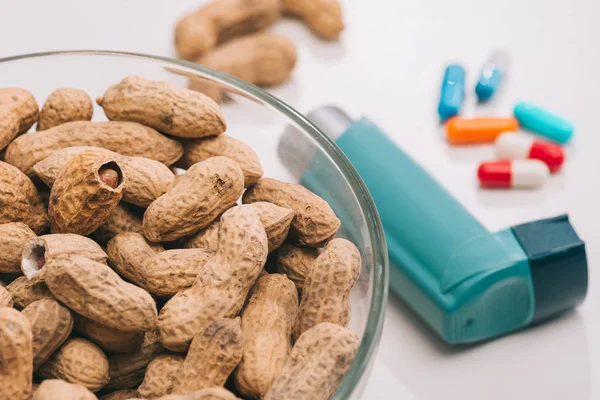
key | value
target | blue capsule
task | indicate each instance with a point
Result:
(453, 92)
(543, 122)
(491, 75)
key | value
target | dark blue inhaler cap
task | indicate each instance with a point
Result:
(558, 264)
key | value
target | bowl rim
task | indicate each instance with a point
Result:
(370, 340)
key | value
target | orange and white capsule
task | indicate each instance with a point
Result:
(519, 174)
(513, 146)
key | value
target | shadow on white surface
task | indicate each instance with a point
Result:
(519, 366)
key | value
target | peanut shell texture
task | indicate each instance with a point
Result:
(54, 389)
(65, 105)
(16, 358)
(13, 237)
(18, 113)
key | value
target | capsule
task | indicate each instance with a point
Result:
(543, 122)
(491, 76)
(478, 130)
(513, 146)
(518, 174)
(453, 92)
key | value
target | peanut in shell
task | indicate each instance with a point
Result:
(126, 138)
(214, 393)
(6, 299)
(18, 113)
(109, 339)
(323, 17)
(207, 238)
(167, 108)
(25, 291)
(53, 389)
(13, 237)
(160, 376)
(16, 358)
(295, 262)
(125, 394)
(20, 200)
(51, 325)
(80, 200)
(121, 219)
(65, 105)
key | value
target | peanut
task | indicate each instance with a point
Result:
(315, 222)
(16, 359)
(38, 251)
(324, 17)
(122, 219)
(6, 299)
(262, 59)
(109, 339)
(326, 295)
(127, 370)
(207, 189)
(25, 291)
(196, 150)
(276, 221)
(177, 111)
(207, 238)
(214, 393)
(13, 237)
(20, 200)
(199, 32)
(147, 179)
(109, 300)
(316, 364)
(212, 356)
(80, 201)
(296, 262)
(267, 323)
(77, 361)
(161, 375)
(65, 105)
(125, 394)
(18, 113)
(52, 389)
(51, 325)
(222, 285)
(127, 138)
(163, 273)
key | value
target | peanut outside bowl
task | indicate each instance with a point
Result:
(258, 119)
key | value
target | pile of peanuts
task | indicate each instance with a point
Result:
(228, 35)
(129, 282)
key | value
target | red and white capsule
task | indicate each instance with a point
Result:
(518, 174)
(513, 146)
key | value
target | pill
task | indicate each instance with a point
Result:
(543, 122)
(478, 130)
(520, 174)
(453, 92)
(492, 74)
(513, 146)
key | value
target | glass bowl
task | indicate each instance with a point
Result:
(259, 120)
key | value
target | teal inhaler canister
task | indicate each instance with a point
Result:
(467, 283)
(543, 122)
(491, 76)
(452, 94)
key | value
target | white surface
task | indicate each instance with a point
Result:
(388, 67)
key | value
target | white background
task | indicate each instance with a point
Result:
(388, 66)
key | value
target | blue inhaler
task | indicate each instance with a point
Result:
(467, 283)
(491, 76)
(452, 93)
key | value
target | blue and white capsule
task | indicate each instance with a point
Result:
(492, 75)
(452, 94)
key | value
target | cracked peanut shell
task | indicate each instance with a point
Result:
(126, 138)
(65, 105)
(161, 272)
(208, 189)
(77, 361)
(267, 321)
(18, 113)
(200, 31)
(316, 364)
(196, 150)
(80, 199)
(161, 375)
(109, 300)
(53, 389)
(16, 357)
(212, 357)
(326, 294)
(222, 285)
(13, 237)
(315, 222)
(20, 200)
(51, 325)
(165, 107)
